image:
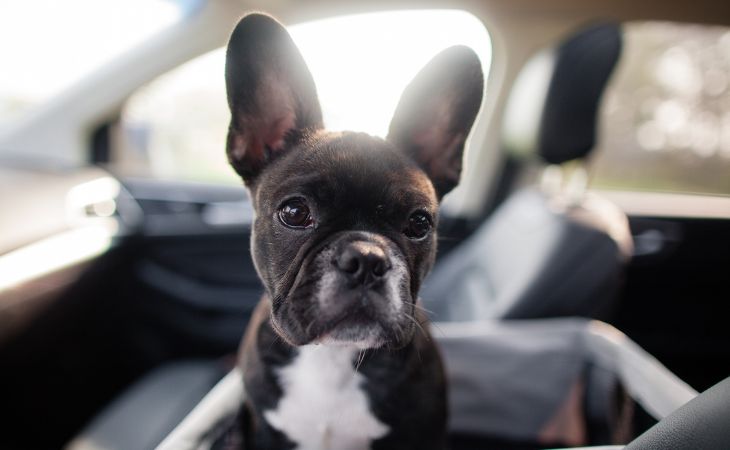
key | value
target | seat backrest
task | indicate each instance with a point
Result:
(544, 253)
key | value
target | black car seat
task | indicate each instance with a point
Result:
(701, 423)
(554, 250)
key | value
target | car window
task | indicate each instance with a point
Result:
(31, 73)
(665, 120)
(175, 127)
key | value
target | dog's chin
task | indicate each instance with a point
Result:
(356, 329)
(364, 332)
(358, 334)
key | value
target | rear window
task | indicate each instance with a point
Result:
(665, 120)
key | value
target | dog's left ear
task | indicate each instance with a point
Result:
(271, 94)
(436, 112)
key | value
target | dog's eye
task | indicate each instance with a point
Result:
(419, 224)
(294, 213)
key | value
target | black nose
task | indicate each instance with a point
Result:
(362, 262)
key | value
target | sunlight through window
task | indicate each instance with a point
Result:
(47, 45)
(361, 64)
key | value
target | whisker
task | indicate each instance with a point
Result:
(418, 324)
(360, 359)
(437, 329)
(413, 319)
(422, 308)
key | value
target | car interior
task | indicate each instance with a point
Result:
(546, 239)
(569, 314)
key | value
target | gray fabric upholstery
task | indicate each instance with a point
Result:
(535, 257)
(512, 378)
(147, 412)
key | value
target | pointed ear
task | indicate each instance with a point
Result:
(271, 94)
(436, 112)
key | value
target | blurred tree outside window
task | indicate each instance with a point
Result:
(665, 120)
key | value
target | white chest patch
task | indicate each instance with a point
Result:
(323, 406)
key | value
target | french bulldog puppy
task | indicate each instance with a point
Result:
(338, 355)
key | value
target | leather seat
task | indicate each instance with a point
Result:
(701, 423)
(554, 250)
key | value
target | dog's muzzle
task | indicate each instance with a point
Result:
(362, 290)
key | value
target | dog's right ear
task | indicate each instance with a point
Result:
(271, 94)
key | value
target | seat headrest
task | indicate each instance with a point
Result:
(553, 106)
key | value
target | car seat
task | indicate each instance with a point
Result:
(553, 250)
(514, 384)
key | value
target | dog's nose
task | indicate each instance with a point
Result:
(363, 262)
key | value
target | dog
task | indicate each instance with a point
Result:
(337, 354)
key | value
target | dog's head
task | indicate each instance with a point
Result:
(345, 222)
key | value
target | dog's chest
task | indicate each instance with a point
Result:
(323, 405)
